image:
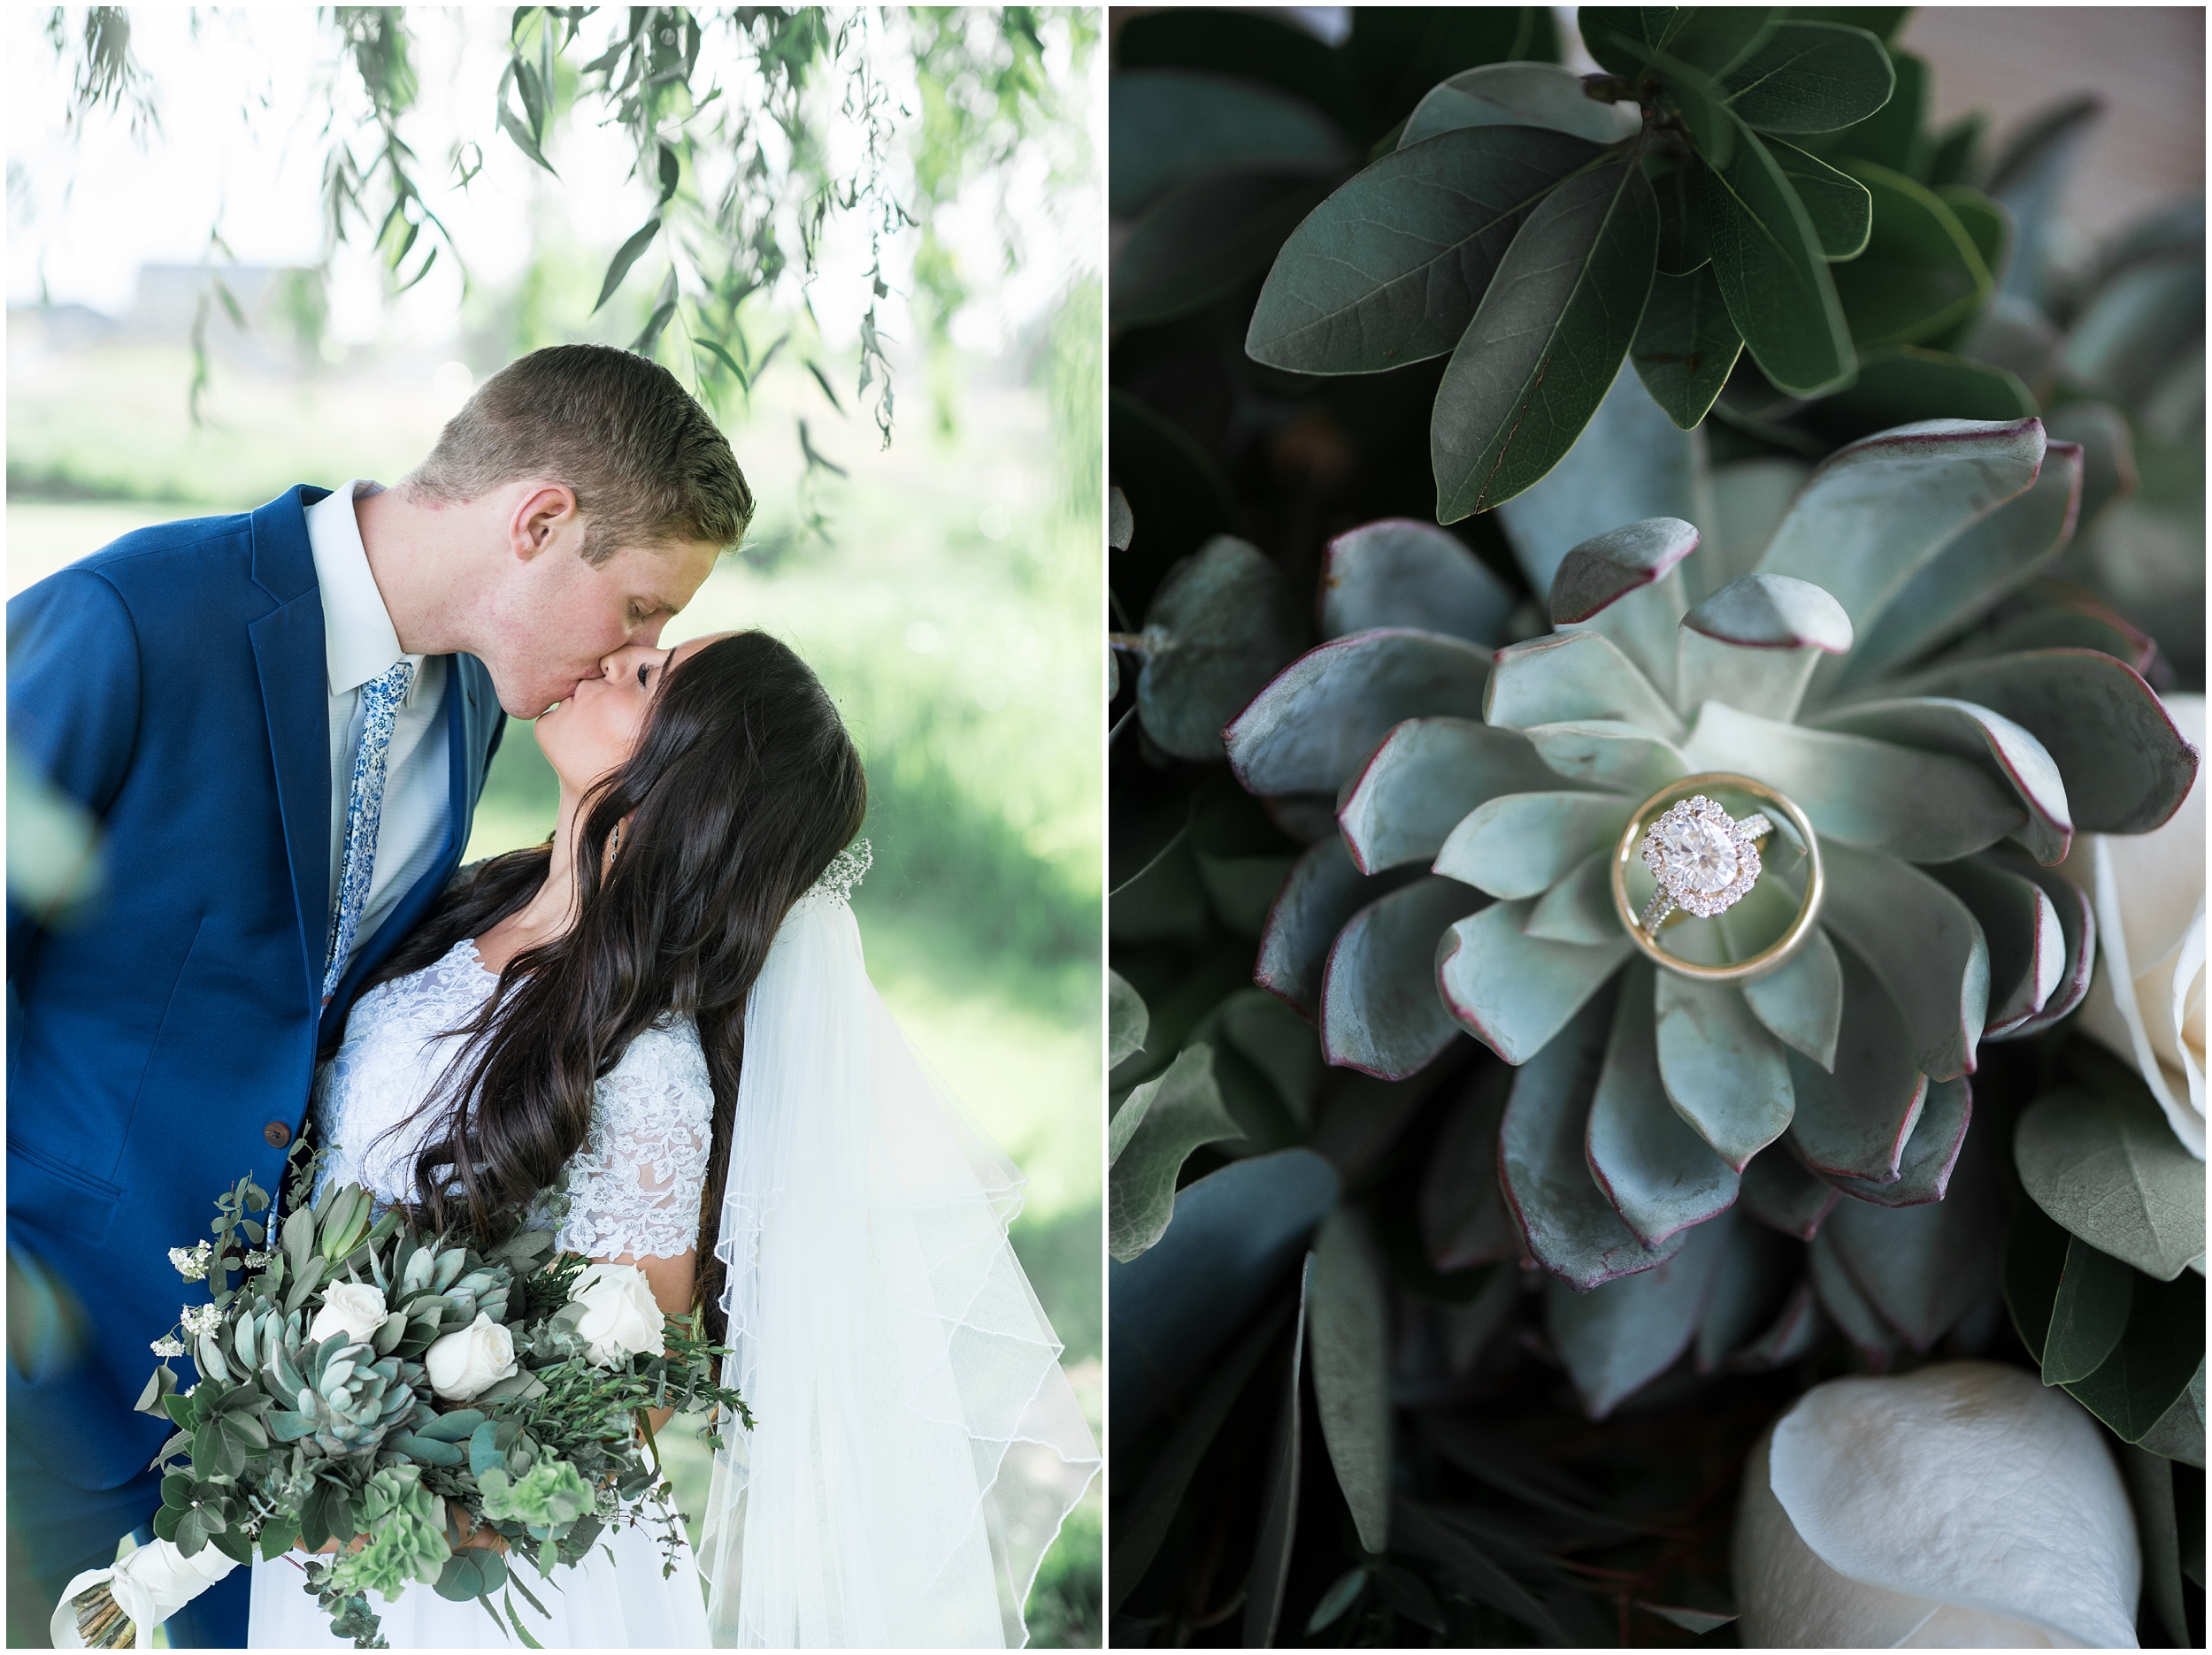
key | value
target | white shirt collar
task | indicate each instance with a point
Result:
(359, 641)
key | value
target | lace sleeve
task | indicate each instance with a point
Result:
(635, 1186)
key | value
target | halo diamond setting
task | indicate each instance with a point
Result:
(1705, 861)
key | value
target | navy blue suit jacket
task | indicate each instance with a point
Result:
(174, 683)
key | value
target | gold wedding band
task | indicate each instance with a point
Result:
(1706, 861)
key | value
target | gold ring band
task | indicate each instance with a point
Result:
(1646, 937)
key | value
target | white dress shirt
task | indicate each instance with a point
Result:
(359, 643)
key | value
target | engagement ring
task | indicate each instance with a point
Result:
(1706, 861)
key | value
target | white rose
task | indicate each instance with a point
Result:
(469, 1359)
(353, 1309)
(2146, 1000)
(620, 1318)
(1962, 1506)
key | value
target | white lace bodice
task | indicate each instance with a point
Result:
(636, 1185)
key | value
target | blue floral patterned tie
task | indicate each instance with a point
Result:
(380, 699)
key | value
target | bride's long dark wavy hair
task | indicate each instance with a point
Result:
(742, 787)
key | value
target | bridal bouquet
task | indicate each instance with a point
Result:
(363, 1381)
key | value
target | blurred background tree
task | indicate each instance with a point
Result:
(254, 247)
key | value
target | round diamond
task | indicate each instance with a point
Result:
(1696, 855)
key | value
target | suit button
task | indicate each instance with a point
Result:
(278, 1134)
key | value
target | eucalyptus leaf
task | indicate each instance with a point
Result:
(1546, 339)
(1349, 1314)
(2158, 1356)
(1220, 626)
(1149, 1138)
(1323, 715)
(1906, 384)
(1390, 268)
(2108, 1168)
(1379, 1009)
(1512, 991)
(1126, 1019)
(2088, 1314)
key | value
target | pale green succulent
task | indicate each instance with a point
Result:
(339, 1396)
(1476, 798)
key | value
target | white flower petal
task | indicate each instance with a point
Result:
(1967, 1483)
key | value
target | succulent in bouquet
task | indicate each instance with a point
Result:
(1370, 786)
(395, 1393)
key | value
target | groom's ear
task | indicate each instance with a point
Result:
(545, 514)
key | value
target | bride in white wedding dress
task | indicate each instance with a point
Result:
(657, 1039)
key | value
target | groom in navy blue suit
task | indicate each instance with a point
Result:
(280, 722)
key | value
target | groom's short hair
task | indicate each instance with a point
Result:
(648, 467)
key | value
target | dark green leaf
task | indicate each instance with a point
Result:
(626, 256)
(2151, 1492)
(2108, 1168)
(722, 356)
(1983, 220)
(1546, 339)
(1337, 1601)
(1390, 268)
(1713, 40)
(1279, 1525)
(671, 171)
(1221, 625)
(1773, 273)
(1235, 1234)
(1911, 382)
(1403, 1591)
(1169, 126)
(1896, 135)
(525, 140)
(1810, 77)
(1148, 1139)
(2157, 1356)
(2088, 1314)
(1349, 1312)
(1953, 158)
(1126, 1019)
(1249, 45)
(472, 1571)
(1840, 208)
(1399, 52)
(1206, 236)
(1685, 346)
(1920, 274)
(1621, 38)
(1682, 246)
(1141, 1524)
(1516, 94)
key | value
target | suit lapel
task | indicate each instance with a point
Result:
(291, 658)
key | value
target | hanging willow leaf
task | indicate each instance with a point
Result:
(1545, 343)
(625, 256)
